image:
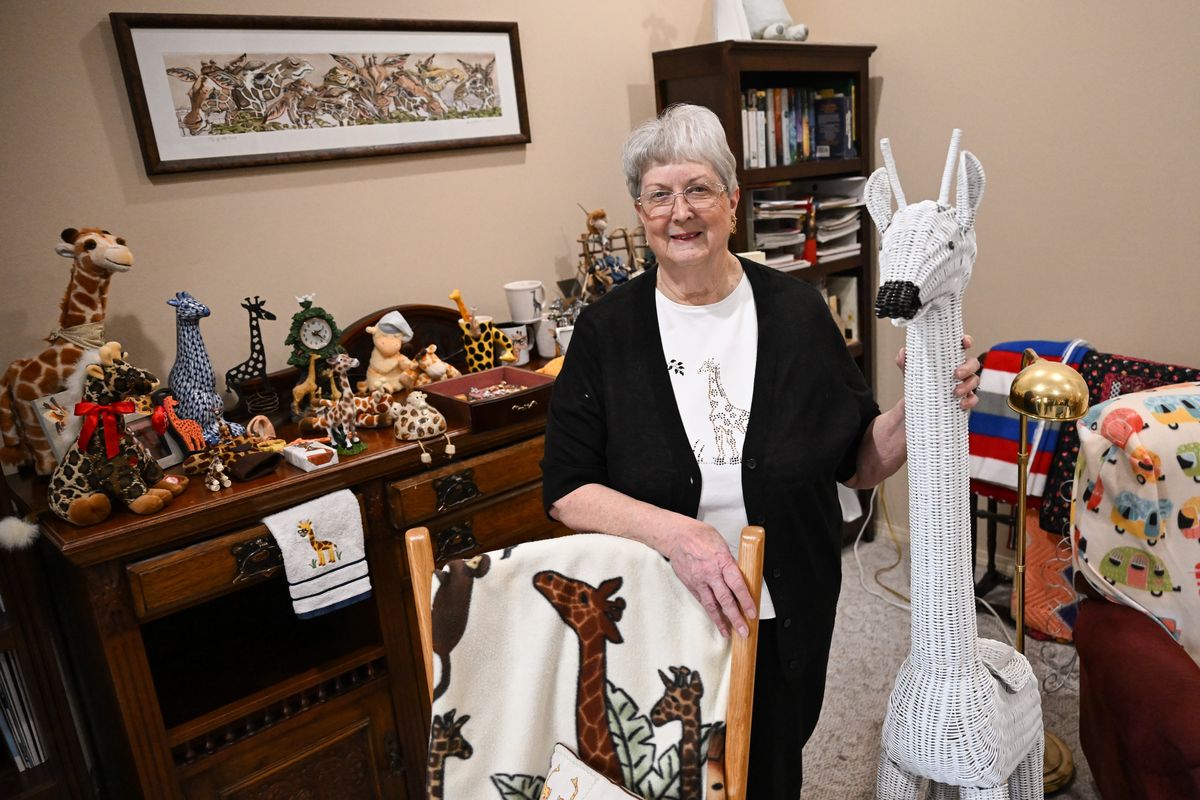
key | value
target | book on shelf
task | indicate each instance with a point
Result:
(843, 296)
(789, 124)
(832, 131)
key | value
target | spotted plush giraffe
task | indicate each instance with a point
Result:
(255, 365)
(446, 741)
(593, 614)
(95, 256)
(681, 702)
(726, 418)
(192, 380)
(326, 550)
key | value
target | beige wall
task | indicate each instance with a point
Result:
(1084, 114)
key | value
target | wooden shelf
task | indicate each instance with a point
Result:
(800, 171)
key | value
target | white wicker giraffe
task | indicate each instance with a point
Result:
(964, 712)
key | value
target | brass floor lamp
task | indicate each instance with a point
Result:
(1053, 392)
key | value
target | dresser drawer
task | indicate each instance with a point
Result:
(456, 486)
(503, 522)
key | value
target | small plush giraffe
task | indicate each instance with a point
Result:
(681, 701)
(188, 429)
(593, 614)
(481, 339)
(445, 741)
(95, 256)
(432, 367)
(326, 550)
(726, 418)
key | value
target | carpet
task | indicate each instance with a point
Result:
(870, 640)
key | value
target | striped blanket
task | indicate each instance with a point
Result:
(995, 428)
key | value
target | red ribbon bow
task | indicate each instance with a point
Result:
(92, 414)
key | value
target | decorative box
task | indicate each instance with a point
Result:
(450, 397)
(310, 455)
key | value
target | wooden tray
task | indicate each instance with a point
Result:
(485, 415)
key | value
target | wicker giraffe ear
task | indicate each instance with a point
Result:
(971, 182)
(878, 197)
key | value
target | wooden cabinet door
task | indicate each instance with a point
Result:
(348, 752)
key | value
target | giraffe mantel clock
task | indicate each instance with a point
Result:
(313, 339)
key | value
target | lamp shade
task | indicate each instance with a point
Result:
(1048, 390)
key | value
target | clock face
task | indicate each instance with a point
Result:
(315, 333)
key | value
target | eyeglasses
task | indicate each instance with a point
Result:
(659, 202)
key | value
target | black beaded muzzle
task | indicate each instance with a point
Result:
(897, 300)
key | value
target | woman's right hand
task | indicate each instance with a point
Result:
(701, 559)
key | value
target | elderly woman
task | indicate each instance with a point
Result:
(711, 393)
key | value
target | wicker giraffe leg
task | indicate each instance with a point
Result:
(993, 793)
(1026, 782)
(942, 791)
(893, 783)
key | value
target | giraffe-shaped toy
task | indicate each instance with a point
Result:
(445, 741)
(192, 380)
(95, 255)
(337, 415)
(255, 366)
(481, 339)
(965, 712)
(593, 614)
(326, 550)
(188, 429)
(681, 701)
(724, 416)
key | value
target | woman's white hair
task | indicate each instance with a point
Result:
(681, 133)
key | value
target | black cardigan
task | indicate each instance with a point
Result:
(613, 420)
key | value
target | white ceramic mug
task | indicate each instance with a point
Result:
(544, 338)
(518, 332)
(525, 299)
(564, 338)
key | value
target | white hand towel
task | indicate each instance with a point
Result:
(323, 553)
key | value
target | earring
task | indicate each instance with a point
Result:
(732, 223)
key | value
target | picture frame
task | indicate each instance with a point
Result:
(61, 428)
(211, 91)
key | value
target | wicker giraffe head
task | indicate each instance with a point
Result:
(927, 249)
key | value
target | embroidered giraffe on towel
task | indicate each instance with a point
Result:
(681, 701)
(726, 418)
(323, 547)
(593, 614)
(964, 712)
(445, 741)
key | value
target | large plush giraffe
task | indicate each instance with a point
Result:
(95, 255)
(965, 712)
(255, 365)
(724, 416)
(192, 380)
(681, 701)
(593, 614)
(445, 741)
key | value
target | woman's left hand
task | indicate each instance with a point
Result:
(967, 375)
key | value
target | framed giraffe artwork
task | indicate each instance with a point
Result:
(219, 91)
(61, 427)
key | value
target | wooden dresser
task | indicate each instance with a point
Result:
(195, 676)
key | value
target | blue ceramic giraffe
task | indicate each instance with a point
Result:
(192, 380)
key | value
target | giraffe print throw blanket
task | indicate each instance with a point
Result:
(588, 640)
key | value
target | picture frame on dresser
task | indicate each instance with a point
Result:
(212, 91)
(54, 415)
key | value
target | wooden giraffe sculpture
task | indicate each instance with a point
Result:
(255, 366)
(192, 380)
(681, 701)
(187, 429)
(593, 614)
(95, 255)
(724, 416)
(965, 712)
(326, 550)
(445, 741)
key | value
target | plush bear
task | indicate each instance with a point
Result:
(108, 463)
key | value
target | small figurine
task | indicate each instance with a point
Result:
(255, 366)
(599, 267)
(107, 463)
(417, 420)
(216, 479)
(481, 339)
(337, 415)
(433, 369)
(755, 19)
(192, 380)
(388, 367)
(96, 255)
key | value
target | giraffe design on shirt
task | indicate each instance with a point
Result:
(726, 418)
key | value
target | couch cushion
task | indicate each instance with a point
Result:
(1136, 505)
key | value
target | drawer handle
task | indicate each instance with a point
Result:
(256, 558)
(453, 541)
(524, 406)
(454, 490)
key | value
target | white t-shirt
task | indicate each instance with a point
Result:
(711, 352)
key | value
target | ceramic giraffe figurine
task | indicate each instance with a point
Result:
(192, 380)
(681, 702)
(445, 741)
(593, 614)
(95, 256)
(255, 366)
(964, 712)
